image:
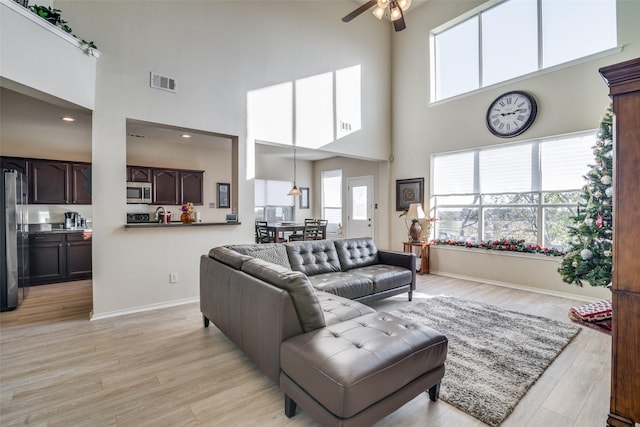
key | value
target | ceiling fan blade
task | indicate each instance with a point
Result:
(399, 24)
(359, 10)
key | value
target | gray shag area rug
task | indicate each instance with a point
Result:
(494, 356)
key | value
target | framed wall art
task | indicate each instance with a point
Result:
(409, 191)
(223, 192)
(304, 197)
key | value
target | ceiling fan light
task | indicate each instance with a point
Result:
(378, 12)
(404, 4)
(396, 13)
(383, 3)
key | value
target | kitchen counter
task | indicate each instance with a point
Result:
(177, 224)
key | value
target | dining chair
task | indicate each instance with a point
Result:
(262, 233)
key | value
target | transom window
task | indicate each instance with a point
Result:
(500, 41)
(522, 191)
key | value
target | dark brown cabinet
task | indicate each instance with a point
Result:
(15, 163)
(165, 187)
(191, 187)
(59, 182)
(138, 174)
(49, 182)
(624, 88)
(59, 257)
(81, 183)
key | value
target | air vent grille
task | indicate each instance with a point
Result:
(163, 82)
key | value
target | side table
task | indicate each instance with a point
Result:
(425, 253)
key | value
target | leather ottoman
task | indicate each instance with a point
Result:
(356, 372)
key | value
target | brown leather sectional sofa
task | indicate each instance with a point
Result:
(294, 309)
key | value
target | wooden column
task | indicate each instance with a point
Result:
(624, 88)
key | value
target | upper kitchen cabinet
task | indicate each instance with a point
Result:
(165, 186)
(15, 163)
(49, 182)
(57, 182)
(191, 187)
(138, 174)
(81, 183)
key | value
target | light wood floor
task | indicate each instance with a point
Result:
(162, 368)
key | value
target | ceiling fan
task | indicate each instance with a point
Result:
(395, 8)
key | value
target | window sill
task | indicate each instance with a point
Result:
(493, 252)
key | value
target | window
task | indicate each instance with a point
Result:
(522, 191)
(513, 38)
(272, 203)
(332, 196)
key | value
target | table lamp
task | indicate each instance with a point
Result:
(415, 214)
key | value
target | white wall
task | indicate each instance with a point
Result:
(217, 52)
(30, 45)
(569, 100)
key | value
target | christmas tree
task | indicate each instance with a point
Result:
(588, 257)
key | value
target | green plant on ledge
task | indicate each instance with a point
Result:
(53, 16)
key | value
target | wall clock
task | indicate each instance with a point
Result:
(511, 114)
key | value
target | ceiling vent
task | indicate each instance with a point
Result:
(163, 82)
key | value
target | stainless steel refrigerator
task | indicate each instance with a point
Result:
(14, 233)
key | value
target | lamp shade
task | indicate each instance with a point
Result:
(415, 211)
(295, 191)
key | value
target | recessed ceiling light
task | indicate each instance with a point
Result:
(68, 119)
(185, 135)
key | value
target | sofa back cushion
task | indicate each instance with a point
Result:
(228, 257)
(313, 256)
(296, 284)
(356, 252)
(248, 248)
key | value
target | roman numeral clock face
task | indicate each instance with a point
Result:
(511, 114)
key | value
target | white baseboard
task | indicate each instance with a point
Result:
(519, 287)
(143, 308)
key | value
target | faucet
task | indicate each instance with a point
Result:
(162, 220)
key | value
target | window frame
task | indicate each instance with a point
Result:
(477, 12)
(480, 204)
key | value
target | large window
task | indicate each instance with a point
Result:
(332, 197)
(502, 41)
(272, 203)
(523, 191)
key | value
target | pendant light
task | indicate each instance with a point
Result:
(294, 191)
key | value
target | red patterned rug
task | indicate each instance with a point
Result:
(596, 315)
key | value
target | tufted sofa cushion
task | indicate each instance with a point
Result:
(337, 309)
(351, 365)
(313, 257)
(357, 252)
(302, 293)
(343, 283)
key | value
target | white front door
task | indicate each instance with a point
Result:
(360, 209)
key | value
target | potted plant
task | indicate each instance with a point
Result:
(47, 13)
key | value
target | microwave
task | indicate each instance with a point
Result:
(139, 192)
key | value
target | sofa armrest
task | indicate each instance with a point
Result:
(400, 259)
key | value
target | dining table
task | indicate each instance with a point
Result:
(277, 229)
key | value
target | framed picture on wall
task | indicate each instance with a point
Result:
(223, 192)
(409, 191)
(304, 197)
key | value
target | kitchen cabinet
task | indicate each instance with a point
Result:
(49, 182)
(165, 187)
(138, 174)
(191, 187)
(81, 183)
(59, 257)
(15, 163)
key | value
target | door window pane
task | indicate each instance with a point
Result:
(359, 203)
